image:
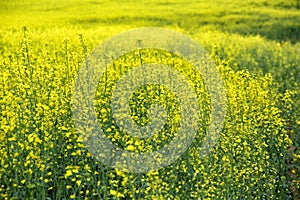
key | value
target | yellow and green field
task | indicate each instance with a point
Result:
(256, 47)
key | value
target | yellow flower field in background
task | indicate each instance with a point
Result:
(44, 157)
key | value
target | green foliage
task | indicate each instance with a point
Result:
(256, 47)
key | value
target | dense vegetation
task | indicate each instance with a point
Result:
(255, 45)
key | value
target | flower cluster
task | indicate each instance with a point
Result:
(43, 156)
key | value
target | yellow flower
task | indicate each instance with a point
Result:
(68, 186)
(68, 173)
(296, 156)
(73, 196)
(78, 182)
(113, 192)
(130, 147)
(75, 170)
(119, 172)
